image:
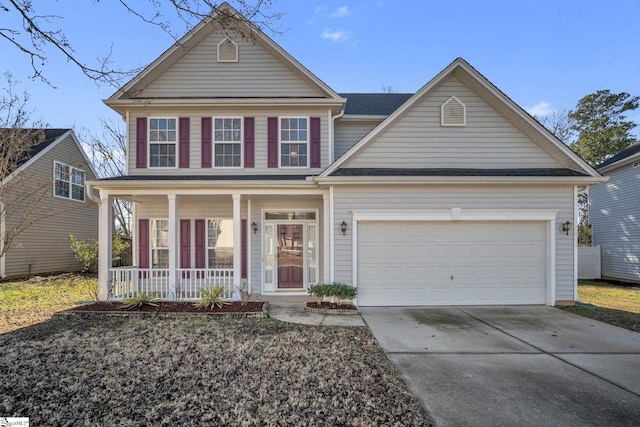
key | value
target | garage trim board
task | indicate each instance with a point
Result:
(465, 216)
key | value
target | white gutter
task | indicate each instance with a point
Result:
(420, 180)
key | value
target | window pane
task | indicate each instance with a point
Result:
(162, 155)
(220, 258)
(227, 155)
(159, 233)
(61, 188)
(160, 258)
(77, 177)
(77, 192)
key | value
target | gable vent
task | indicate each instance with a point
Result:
(227, 51)
(453, 113)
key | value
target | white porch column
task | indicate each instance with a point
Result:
(105, 235)
(326, 219)
(173, 245)
(237, 246)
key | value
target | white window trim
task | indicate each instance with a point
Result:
(464, 113)
(151, 241)
(280, 142)
(207, 247)
(218, 50)
(71, 169)
(214, 142)
(176, 143)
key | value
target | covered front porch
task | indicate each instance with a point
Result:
(263, 242)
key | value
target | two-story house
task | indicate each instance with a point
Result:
(42, 201)
(244, 167)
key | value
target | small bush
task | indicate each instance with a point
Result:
(86, 251)
(334, 291)
(141, 299)
(212, 297)
(245, 293)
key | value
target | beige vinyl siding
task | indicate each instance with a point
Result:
(417, 140)
(348, 133)
(260, 150)
(257, 74)
(45, 246)
(615, 221)
(281, 203)
(398, 198)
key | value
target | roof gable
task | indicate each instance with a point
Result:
(52, 137)
(507, 132)
(190, 68)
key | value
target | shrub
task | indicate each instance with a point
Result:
(86, 251)
(245, 293)
(212, 297)
(141, 299)
(334, 291)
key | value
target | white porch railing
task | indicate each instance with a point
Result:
(126, 282)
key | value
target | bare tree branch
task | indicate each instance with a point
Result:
(43, 35)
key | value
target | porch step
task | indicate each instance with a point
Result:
(284, 299)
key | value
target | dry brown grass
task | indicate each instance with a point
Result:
(115, 371)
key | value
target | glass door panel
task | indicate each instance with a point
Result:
(290, 254)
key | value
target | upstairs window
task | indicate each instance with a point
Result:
(294, 142)
(68, 182)
(453, 113)
(162, 142)
(227, 142)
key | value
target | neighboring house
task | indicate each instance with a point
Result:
(614, 214)
(50, 184)
(244, 167)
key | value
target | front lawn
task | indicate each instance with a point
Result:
(609, 303)
(135, 371)
(29, 301)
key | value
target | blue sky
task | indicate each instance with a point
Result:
(543, 54)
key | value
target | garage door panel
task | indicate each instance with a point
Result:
(412, 263)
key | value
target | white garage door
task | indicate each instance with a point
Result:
(451, 263)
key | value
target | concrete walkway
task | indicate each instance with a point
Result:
(294, 313)
(513, 366)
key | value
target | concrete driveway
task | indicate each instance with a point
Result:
(508, 366)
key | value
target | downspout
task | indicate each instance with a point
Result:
(90, 195)
(332, 134)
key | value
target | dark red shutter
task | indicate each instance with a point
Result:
(249, 141)
(201, 237)
(206, 142)
(243, 247)
(143, 243)
(272, 142)
(315, 142)
(141, 142)
(183, 128)
(185, 243)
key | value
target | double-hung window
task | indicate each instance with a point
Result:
(68, 182)
(162, 142)
(294, 142)
(159, 243)
(220, 243)
(227, 142)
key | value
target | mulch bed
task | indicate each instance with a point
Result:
(170, 307)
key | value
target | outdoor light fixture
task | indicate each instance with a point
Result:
(343, 228)
(566, 227)
(254, 227)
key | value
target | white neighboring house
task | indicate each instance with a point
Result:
(614, 214)
(244, 167)
(57, 167)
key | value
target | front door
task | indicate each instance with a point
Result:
(290, 256)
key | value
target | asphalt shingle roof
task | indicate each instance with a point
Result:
(628, 152)
(206, 178)
(374, 104)
(50, 136)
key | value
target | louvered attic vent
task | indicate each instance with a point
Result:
(227, 51)
(453, 113)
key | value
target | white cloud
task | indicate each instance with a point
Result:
(541, 109)
(337, 36)
(319, 9)
(341, 12)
